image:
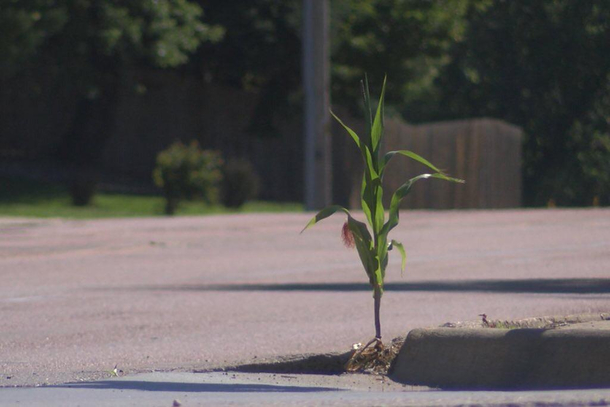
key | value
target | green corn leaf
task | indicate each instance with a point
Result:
(366, 197)
(364, 150)
(450, 179)
(398, 196)
(370, 164)
(350, 131)
(381, 247)
(360, 229)
(384, 264)
(364, 246)
(367, 105)
(379, 210)
(371, 194)
(362, 238)
(325, 213)
(382, 252)
(370, 174)
(403, 255)
(388, 156)
(379, 278)
(377, 129)
(364, 252)
(368, 213)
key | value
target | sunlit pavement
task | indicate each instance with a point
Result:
(217, 389)
(81, 297)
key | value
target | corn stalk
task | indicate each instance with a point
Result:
(372, 242)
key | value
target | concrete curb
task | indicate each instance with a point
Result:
(546, 322)
(504, 359)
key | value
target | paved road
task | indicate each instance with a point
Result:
(217, 389)
(79, 297)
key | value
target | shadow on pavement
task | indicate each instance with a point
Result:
(539, 286)
(193, 387)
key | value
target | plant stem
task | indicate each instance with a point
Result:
(377, 298)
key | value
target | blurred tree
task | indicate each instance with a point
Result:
(261, 51)
(408, 40)
(24, 27)
(591, 138)
(90, 44)
(543, 65)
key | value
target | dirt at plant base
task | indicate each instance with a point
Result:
(375, 359)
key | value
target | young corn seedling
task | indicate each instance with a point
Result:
(374, 244)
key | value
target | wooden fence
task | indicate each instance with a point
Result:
(484, 152)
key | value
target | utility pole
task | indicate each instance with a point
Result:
(316, 87)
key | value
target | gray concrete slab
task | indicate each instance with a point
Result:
(241, 389)
(79, 297)
(488, 358)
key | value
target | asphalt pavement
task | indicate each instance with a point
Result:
(80, 298)
(243, 389)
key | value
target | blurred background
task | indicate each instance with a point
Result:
(112, 108)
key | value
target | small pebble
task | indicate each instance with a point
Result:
(176, 403)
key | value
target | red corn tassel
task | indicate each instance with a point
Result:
(347, 236)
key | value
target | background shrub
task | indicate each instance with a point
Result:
(82, 191)
(240, 183)
(187, 172)
(83, 186)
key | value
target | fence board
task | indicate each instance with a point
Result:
(484, 152)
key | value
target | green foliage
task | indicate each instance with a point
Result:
(544, 66)
(537, 64)
(158, 33)
(239, 184)
(187, 172)
(258, 53)
(372, 245)
(408, 40)
(24, 28)
(91, 49)
(591, 138)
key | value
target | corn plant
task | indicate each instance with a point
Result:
(374, 244)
